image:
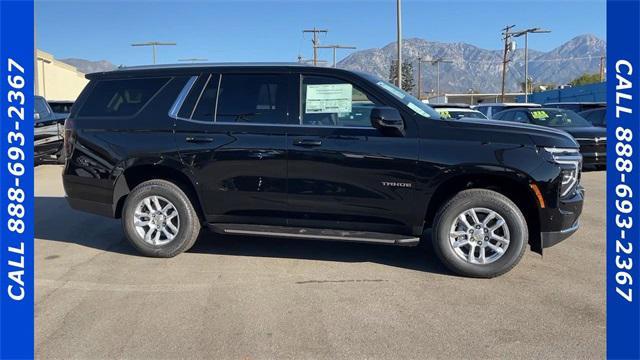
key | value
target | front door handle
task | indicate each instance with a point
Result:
(198, 139)
(307, 142)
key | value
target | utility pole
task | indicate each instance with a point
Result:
(153, 45)
(506, 36)
(315, 42)
(419, 78)
(526, 55)
(437, 62)
(399, 41)
(334, 47)
(602, 68)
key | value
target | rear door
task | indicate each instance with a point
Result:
(231, 134)
(343, 173)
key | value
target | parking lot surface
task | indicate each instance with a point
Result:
(261, 298)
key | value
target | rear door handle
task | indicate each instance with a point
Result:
(307, 142)
(198, 139)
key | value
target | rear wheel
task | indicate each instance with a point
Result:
(480, 233)
(159, 219)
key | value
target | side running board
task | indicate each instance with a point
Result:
(316, 234)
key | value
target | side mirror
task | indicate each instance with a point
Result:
(388, 120)
(36, 116)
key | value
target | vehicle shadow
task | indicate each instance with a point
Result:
(56, 221)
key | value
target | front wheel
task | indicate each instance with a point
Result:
(480, 233)
(159, 219)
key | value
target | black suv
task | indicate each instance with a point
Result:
(313, 153)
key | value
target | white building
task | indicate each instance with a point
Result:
(57, 80)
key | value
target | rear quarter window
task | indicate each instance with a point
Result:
(120, 98)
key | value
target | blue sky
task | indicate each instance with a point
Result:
(272, 30)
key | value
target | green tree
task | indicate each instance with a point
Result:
(585, 79)
(408, 82)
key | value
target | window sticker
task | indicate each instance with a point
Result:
(540, 115)
(329, 98)
(391, 89)
(417, 109)
(445, 114)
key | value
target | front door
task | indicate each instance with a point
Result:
(342, 172)
(231, 133)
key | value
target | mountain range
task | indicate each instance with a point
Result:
(471, 67)
(480, 70)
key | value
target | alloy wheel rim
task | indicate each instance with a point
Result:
(479, 236)
(156, 220)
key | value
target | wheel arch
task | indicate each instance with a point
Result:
(134, 175)
(516, 188)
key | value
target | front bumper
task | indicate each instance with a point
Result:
(559, 223)
(551, 238)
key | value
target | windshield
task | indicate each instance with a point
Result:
(457, 114)
(558, 118)
(414, 104)
(41, 107)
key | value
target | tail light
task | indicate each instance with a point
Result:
(69, 137)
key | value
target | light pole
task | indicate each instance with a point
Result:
(334, 47)
(420, 61)
(153, 45)
(437, 62)
(526, 55)
(399, 33)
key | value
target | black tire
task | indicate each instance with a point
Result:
(480, 198)
(189, 223)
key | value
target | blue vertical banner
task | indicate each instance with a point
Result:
(623, 179)
(16, 179)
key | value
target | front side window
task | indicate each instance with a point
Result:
(251, 98)
(328, 101)
(120, 98)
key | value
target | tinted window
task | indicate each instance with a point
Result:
(482, 109)
(504, 115)
(192, 98)
(61, 107)
(496, 109)
(119, 98)
(596, 117)
(329, 101)
(520, 116)
(41, 107)
(207, 105)
(558, 118)
(247, 98)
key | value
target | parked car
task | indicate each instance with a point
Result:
(48, 133)
(577, 106)
(490, 109)
(457, 111)
(288, 151)
(592, 140)
(597, 117)
(62, 107)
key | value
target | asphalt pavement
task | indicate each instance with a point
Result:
(263, 298)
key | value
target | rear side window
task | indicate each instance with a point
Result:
(249, 98)
(120, 98)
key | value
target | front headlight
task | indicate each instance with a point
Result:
(570, 162)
